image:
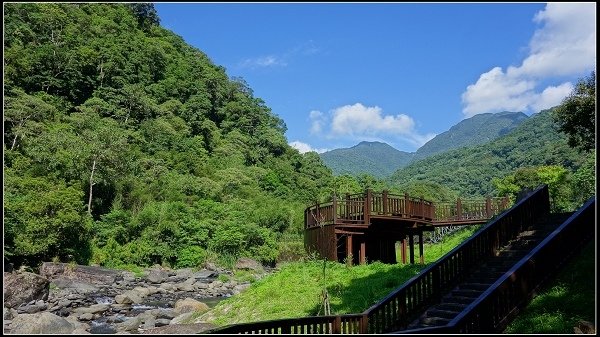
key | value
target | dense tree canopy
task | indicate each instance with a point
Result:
(125, 145)
(576, 115)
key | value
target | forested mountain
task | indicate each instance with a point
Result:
(469, 170)
(475, 130)
(125, 145)
(377, 159)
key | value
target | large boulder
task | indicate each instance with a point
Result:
(189, 305)
(88, 274)
(24, 287)
(248, 264)
(157, 276)
(40, 323)
(181, 329)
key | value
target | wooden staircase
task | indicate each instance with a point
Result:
(478, 287)
(483, 277)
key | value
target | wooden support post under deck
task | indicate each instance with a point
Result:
(403, 250)
(349, 248)
(421, 257)
(363, 255)
(411, 248)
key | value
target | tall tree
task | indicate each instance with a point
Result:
(576, 115)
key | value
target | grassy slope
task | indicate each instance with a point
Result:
(294, 291)
(569, 298)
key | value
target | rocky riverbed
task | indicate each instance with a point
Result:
(72, 299)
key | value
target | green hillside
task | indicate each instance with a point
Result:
(478, 129)
(469, 170)
(377, 159)
(125, 145)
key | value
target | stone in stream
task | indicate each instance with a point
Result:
(40, 323)
(20, 288)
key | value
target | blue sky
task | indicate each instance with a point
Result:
(400, 73)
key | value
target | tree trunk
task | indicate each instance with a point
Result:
(91, 186)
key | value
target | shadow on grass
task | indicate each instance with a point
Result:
(363, 292)
(561, 304)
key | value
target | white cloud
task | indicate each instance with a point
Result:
(552, 96)
(303, 147)
(358, 122)
(281, 60)
(565, 45)
(317, 119)
(359, 119)
(265, 61)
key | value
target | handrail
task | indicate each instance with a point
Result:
(493, 309)
(404, 304)
(397, 309)
(351, 209)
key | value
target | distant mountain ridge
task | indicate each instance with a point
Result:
(381, 160)
(478, 129)
(470, 170)
(375, 158)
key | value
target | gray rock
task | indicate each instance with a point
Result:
(189, 305)
(181, 329)
(167, 313)
(128, 297)
(77, 287)
(93, 309)
(248, 264)
(132, 324)
(64, 303)
(205, 274)
(40, 323)
(86, 317)
(185, 286)
(180, 319)
(162, 322)
(87, 274)
(23, 288)
(157, 276)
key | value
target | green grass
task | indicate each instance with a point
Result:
(559, 307)
(294, 290)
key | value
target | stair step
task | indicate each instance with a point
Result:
(435, 321)
(474, 286)
(512, 253)
(458, 307)
(469, 293)
(457, 299)
(441, 313)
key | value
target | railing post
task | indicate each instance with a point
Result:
(384, 197)
(348, 209)
(422, 207)
(458, 209)
(488, 207)
(318, 216)
(406, 205)
(337, 325)
(334, 204)
(367, 206)
(364, 324)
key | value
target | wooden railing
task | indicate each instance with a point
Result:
(469, 209)
(494, 309)
(405, 303)
(351, 209)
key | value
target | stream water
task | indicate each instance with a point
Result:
(105, 324)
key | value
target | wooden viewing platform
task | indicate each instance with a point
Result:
(366, 226)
